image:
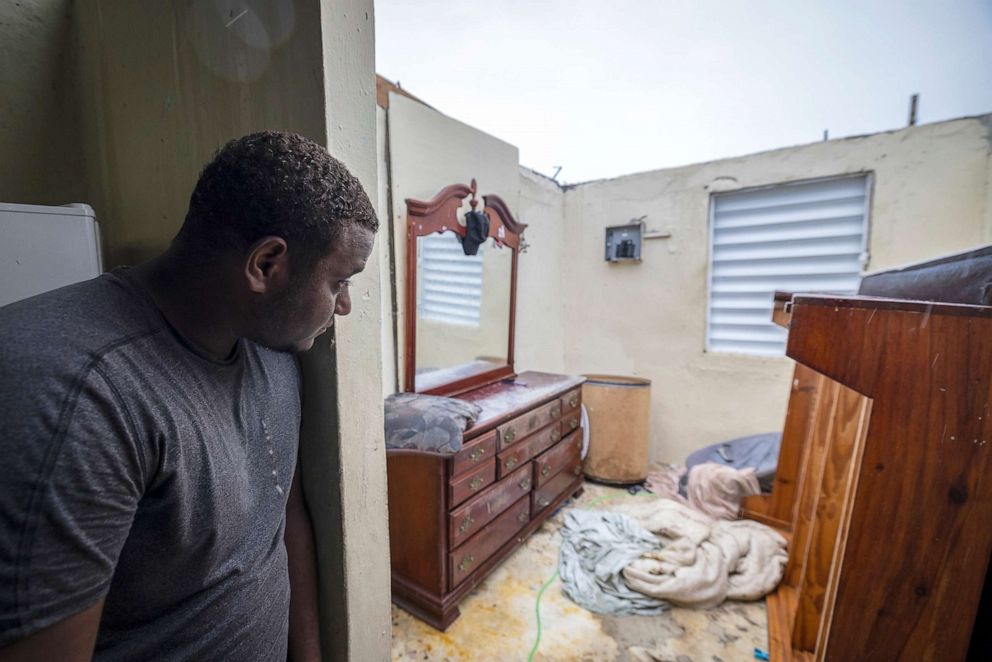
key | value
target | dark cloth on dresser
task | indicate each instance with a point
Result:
(140, 471)
(427, 422)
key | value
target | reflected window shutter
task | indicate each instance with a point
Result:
(807, 237)
(451, 285)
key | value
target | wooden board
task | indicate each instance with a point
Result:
(778, 508)
(845, 430)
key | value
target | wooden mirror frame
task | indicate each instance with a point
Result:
(440, 214)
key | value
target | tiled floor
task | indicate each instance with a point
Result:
(498, 620)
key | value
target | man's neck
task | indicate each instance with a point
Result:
(194, 300)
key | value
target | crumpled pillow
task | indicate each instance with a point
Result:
(427, 422)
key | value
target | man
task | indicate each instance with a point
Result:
(150, 502)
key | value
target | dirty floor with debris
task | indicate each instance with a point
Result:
(498, 620)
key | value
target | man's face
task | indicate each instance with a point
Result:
(292, 320)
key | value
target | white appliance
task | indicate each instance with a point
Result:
(43, 248)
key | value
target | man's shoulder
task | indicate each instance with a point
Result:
(71, 325)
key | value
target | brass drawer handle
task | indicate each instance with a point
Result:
(525, 484)
(574, 423)
(466, 563)
(577, 470)
(573, 402)
(466, 524)
(523, 516)
(543, 502)
(476, 483)
(509, 436)
(546, 470)
(476, 454)
(510, 462)
(556, 411)
(555, 434)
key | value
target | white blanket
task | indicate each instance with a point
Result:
(702, 561)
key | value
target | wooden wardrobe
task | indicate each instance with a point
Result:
(884, 484)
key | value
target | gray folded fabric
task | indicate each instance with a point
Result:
(427, 422)
(596, 546)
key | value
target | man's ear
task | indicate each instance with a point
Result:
(267, 266)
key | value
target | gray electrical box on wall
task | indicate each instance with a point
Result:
(623, 242)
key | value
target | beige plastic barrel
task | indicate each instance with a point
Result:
(619, 420)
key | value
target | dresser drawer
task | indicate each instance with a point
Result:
(474, 552)
(571, 422)
(543, 496)
(471, 517)
(566, 453)
(516, 430)
(475, 453)
(515, 456)
(570, 402)
(471, 483)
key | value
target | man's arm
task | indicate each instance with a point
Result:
(71, 640)
(304, 627)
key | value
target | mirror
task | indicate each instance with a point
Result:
(459, 309)
(463, 309)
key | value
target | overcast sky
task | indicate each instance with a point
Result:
(612, 87)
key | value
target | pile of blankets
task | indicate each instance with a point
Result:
(650, 554)
(710, 488)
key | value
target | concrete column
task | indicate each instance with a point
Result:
(344, 456)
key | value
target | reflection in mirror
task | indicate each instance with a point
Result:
(463, 309)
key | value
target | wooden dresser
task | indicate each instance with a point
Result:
(884, 485)
(453, 518)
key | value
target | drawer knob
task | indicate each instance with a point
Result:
(573, 401)
(556, 411)
(510, 462)
(509, 435)
(466, 563)
(543, 502)
(574, 423)
(555, 434)
(523, 516)
(476, 483)
(577, 470)
(477, 454)
(545, 470)
(525, 484)
(466, 524)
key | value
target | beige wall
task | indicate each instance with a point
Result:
(165, 84)
(930, 197)
(541, 330)
(384, 245)
(428, 151)
(350, 448)
(40, 152)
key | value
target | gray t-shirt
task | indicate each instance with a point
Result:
(134, 468)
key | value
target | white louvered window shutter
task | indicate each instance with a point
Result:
(451, 282)
(803, 237)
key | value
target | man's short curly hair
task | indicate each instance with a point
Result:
(274, 184)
